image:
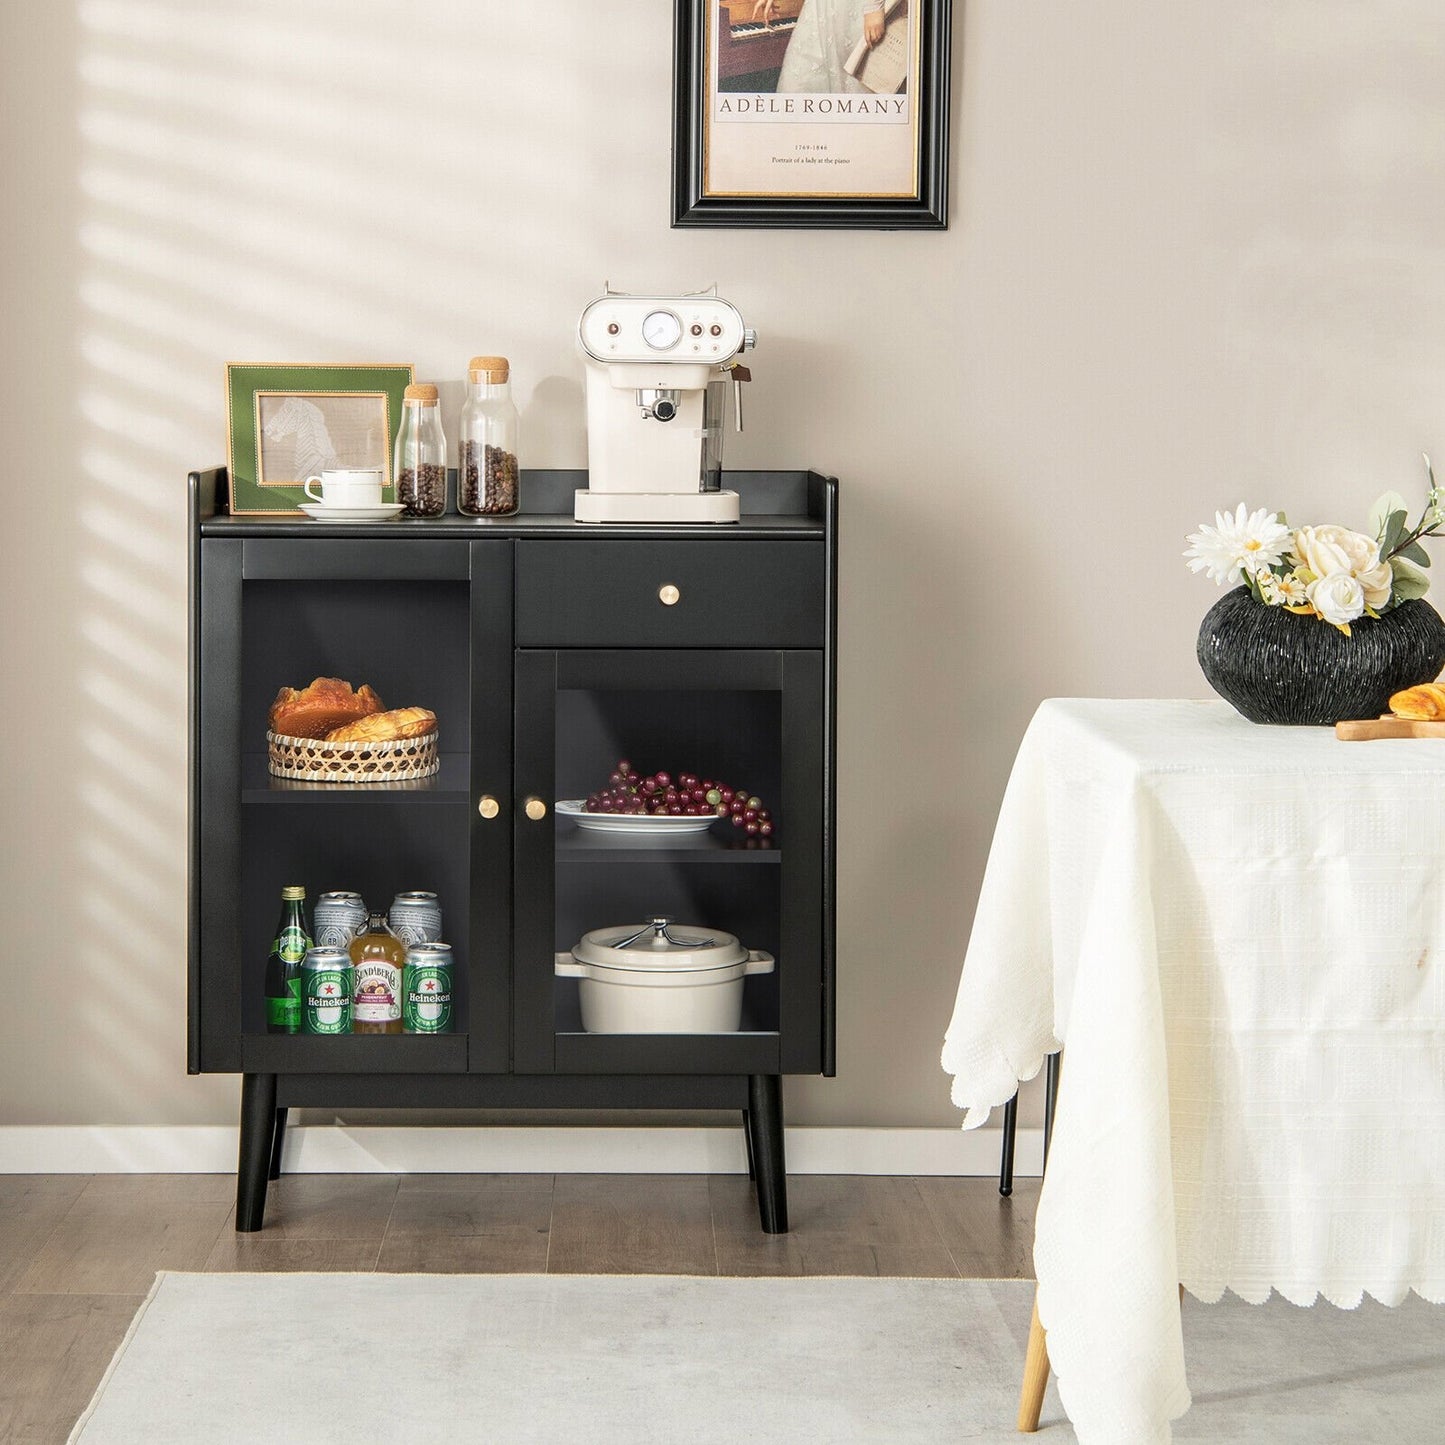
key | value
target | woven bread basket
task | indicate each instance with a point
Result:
(318, 761)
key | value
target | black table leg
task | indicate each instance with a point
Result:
(1006, 1162)
(765, 1125)
(748, 1141)
(258, 1127)
(276, 1143)
(1051, 1098)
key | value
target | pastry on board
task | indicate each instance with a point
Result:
(1425, 703)
(326, 703)
(386, 727)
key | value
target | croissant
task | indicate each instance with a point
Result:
(1426, 702)
(325, 703)
(385, 727)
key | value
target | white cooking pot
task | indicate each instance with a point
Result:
(660, 977)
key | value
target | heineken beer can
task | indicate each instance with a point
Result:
(426, 989)
(336, 918)
(415, 917)
(327, 975)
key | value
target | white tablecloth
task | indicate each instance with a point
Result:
(1237, 933)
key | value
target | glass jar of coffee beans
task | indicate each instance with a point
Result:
(421, 454)
(488, 484)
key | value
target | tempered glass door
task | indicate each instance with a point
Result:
(748, 720)
(424, 623)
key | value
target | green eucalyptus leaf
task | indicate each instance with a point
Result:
(1381, 511)
(1415, 553)
(1410, 580)
(1394, 530)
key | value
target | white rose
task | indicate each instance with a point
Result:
(1319, 553)
(1363, 552)
(1338, 598)
(1378, 582)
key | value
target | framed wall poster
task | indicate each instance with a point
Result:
(288, 422)
(811, 113)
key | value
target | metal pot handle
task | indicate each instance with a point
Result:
(565, 966)
(759, 962)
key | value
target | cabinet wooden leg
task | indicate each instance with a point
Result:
(280, 1138)
(258, 1129)
(748, 1144)
(765, 1129)
(1006, 1159)
(1036, 1375)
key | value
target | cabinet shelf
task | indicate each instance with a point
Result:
(450, 784)
(575, 846)
(740, 1053)
(354, 1053)
(753, 1049)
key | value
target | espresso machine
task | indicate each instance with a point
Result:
(658, 372)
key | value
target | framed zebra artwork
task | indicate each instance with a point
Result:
(289, 422)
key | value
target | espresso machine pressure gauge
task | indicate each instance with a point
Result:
(661, 330)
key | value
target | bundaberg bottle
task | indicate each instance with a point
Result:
(378, 955)
(283, 967)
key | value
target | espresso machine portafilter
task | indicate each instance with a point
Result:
(658, 372)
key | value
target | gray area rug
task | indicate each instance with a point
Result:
(516, 1359)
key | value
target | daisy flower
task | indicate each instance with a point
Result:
(1286, 591)
(1247, 542)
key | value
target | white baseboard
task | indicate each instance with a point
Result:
(336, 1149)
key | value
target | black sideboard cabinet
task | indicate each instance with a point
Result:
(547, 653)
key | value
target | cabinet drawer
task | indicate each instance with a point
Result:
(727, 594)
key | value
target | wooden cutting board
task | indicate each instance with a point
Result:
(1364, 730)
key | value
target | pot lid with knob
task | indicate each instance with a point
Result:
(660, 943)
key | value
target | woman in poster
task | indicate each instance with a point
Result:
(825, 36)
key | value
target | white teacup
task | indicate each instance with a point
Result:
(347, 487)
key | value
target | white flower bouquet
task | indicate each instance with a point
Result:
(1329, 572)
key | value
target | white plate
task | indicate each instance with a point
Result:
(638, 824)
(320, 512)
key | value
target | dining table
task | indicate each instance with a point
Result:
(1235, 934)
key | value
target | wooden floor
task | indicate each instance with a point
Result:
(78, 1253)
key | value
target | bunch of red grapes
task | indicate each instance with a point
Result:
(689, 796)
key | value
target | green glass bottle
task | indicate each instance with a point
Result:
(283, 967)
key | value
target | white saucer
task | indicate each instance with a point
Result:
(320, 512)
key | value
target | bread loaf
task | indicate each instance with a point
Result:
(324, 704)
(386, 727)
(1424, 703)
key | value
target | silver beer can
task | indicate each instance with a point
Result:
(336, 918)
(427, 982)
(416, 917)
(327, 981)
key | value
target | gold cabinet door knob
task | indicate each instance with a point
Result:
(536, 809)
(488, 806)
(668, 595)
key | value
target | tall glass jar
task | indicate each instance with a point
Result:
(420, 459)
(487, 477)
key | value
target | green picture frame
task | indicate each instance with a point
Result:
(288, 421)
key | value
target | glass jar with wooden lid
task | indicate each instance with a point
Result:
(420, 458)
(488, 482)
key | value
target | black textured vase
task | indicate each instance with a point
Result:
(1280, 667)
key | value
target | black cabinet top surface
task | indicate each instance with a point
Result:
(781, 506)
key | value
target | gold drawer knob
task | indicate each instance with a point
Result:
(668, 595)
(536, 809)
(488, 806)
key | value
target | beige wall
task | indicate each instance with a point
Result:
(1196, 255)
